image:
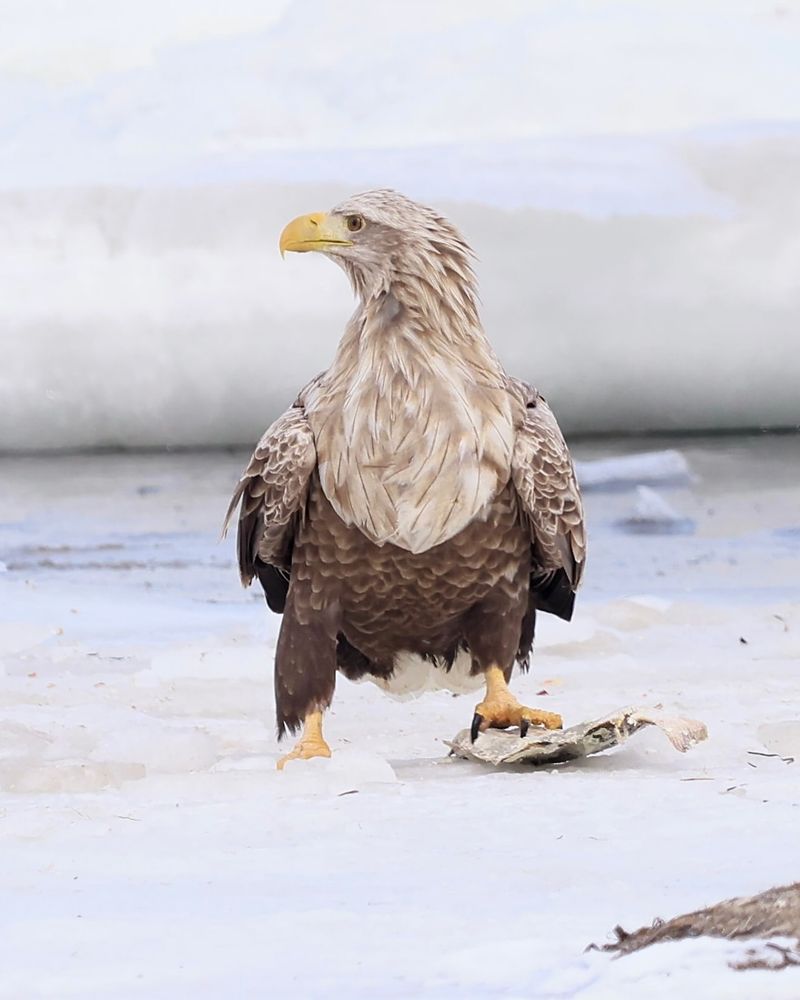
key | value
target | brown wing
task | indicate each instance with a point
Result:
(272, 493)
(544, 477)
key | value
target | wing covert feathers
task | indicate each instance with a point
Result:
(545, 480)
(272, 494)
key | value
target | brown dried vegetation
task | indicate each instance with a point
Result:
(771, 914)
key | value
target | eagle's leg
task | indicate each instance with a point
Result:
(500, 709)
(305, 672)
(311, 743)
(493, 635)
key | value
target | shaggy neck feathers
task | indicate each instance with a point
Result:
(418, 308)
(424, 274)
(414, 416)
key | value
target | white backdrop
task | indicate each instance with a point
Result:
(627, 172)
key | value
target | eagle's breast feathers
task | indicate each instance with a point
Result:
(410, 479)
(412, 462)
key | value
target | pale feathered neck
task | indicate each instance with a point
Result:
(423, 297)
(413, 422)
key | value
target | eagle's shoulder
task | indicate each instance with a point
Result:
(547, 487)
(523, 391)
(306, 395)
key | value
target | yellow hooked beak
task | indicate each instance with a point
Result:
(317, 231)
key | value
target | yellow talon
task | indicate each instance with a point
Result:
(500, 709)
(311, 743)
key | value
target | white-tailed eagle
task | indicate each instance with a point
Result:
(416, 504)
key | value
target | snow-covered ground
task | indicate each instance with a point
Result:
(151, 849)
(627, 174)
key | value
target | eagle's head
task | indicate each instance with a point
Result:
(383, 239)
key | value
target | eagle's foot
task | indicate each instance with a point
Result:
(305, 750)
(311, 743)
(500, 709)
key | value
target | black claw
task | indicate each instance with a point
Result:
(477, 719)
(523, 728)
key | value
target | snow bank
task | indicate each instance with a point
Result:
(169, 318)
(636, 263)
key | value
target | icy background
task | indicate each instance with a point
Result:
(626, 171)
(151, 849)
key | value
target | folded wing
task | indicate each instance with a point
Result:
(272, 497)
(544, 477)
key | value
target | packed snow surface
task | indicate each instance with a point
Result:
(627, 176)
(151, 849)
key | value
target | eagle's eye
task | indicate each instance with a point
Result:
(354, 223)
